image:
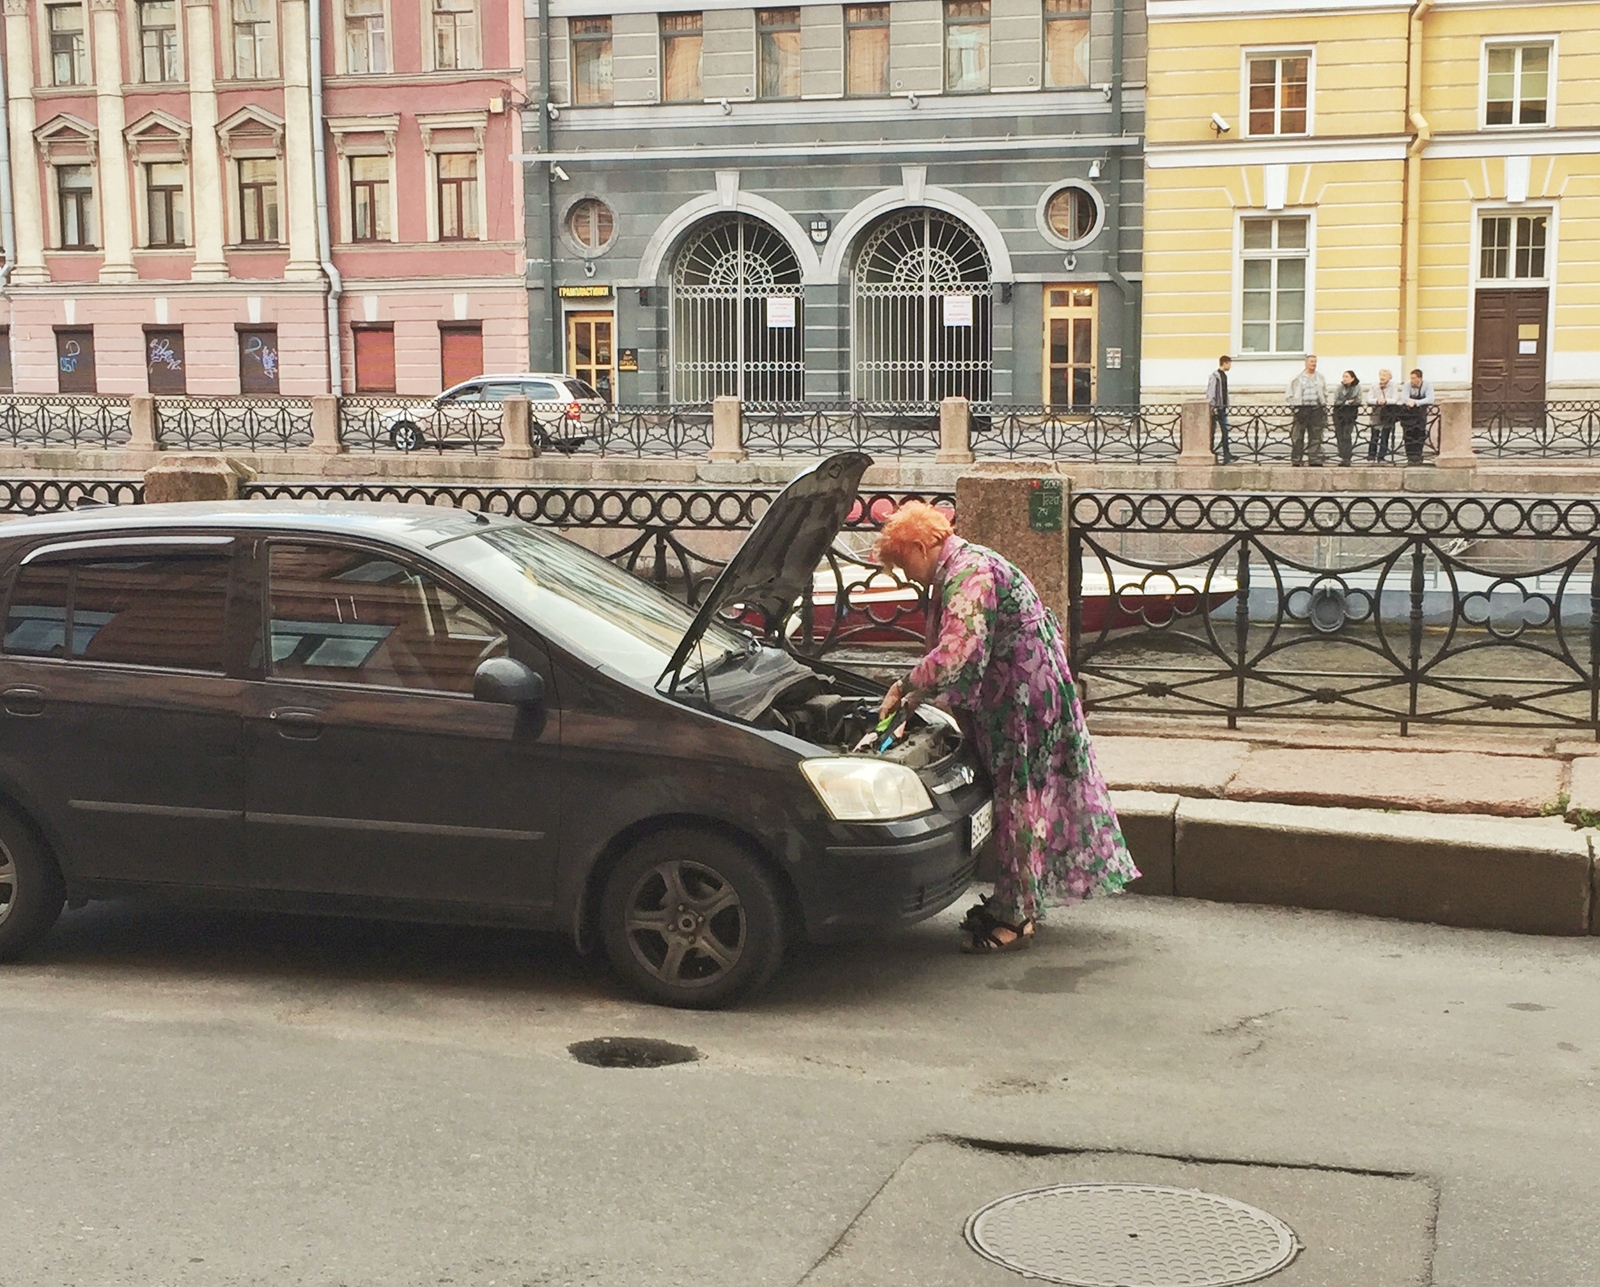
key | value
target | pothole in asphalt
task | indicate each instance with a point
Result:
(631, 1052)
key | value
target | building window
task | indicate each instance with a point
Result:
(866, 50)
(258, 200)
(158, 39)
(369, 198)
(66, 44)
(253, 52)
(778, 39)
(681, 41)
(1072, 216)
(5, 359)
(966, 45)
(1280, 87)
(366, 46)
(591, 60)
(165, 207)
(1517, 85)
(460, 352)
(163, 359)
(1066, 43)
(258, 359)
(455, 34)
(458, 196)
(75, 195)
(1273, 301)
(591, 224)
(75, 360)
(1513, 247)
(374, 355)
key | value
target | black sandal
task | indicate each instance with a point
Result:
(987, 941)
(978, 918)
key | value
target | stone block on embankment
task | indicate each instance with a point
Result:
(193, 478)
(1532, 876)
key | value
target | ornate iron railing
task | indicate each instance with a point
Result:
(681, 429)
(1544, 429)
(56, 495)
(236, 424)
(1133, 434)
(63, 420)
(818, 428)
(1264, 432)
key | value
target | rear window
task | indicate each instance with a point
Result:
(543, 391)
(583, 392)
(168, 611)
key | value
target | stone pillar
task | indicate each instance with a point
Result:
(142, 423)
(1195, 429)
(193, 477)
(1010, 508)
(206, 205)
(27, 199)
(1455, 436)
(516, 436)
(299, 189)
(955, 432)
(115, 191)
(727, 430)
(325, 438)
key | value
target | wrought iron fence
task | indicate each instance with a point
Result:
(681, 429)
(56, 495)
(1115, 434)
(381, 422)
(1399, 609)
(1263, 432)
(1543, 429)
(818, 428)
(238, 424)
(63, 420)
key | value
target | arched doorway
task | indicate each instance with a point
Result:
(738, 324)
(920, 311)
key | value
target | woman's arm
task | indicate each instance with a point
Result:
(955, 667)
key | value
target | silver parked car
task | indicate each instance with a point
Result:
(564, 413)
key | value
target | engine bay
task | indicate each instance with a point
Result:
(819, 712)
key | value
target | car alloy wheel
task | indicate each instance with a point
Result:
(31, 891)
(8, 884)
(406, 436)
(685, 924)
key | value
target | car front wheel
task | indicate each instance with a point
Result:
(691, 919)
(405, 436)
(31, 892)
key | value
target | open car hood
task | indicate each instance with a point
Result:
(778, 559)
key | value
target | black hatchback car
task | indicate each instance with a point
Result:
(433, 714)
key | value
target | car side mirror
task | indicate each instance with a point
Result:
(509, 682)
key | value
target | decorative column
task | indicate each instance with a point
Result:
(208, 205)
(300, 189)
(116, 196)
(27, 200)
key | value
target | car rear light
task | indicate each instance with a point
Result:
(574, 411)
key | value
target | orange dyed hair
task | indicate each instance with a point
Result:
(916, 523)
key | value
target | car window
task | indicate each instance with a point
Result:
(500, 392)
(358, 617)
(472, 393)
(543, 391)
(582, 391)
(167, 611)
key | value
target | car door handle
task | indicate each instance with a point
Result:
(296, 722)
(23, 701)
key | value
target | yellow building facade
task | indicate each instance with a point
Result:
(1383, 185)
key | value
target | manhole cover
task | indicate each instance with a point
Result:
(1131, 1235)
(631, 1052)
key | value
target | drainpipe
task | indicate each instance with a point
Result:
(324, 240)
(552, 319)
(8, 218)
(1421, 132)
(1116, 164)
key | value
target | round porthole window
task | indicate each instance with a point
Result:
(1071, 214)
(592, 225)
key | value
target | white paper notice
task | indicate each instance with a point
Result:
(1527, 346)
(958, 310)
(780, 312)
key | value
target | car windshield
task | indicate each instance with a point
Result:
(618, 620)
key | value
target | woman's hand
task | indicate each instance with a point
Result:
(891, 700)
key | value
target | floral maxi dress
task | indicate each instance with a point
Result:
(996, 656)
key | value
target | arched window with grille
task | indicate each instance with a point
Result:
(920, 311)
(738, 316)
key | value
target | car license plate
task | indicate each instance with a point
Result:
(982, 824)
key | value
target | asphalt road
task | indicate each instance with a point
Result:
(219, 1099)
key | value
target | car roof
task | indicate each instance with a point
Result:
(418, 527)
(518, 375)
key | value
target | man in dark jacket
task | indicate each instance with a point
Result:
(1217, 400)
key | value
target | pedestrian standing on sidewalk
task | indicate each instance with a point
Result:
(1417, 397)
(1308, 395)
(1384, 399)
(996, 657)
(1217, 400)
(1346, 407)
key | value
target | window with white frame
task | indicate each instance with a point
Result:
(75, 229)
(1273, 275)
(254, 50)
(455, 35)
(68, 54)
(166, 205)
(1278, 93)
(457, 178)
(258, 200)
(366, 40)
(1511, 247)
(369, 198)
(1516, 87)
(158, 40)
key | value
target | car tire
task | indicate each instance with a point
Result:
(405, 436)
(692, 919)
(31, 889)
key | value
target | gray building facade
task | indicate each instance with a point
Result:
(888, 202)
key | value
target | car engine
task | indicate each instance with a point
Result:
(820, 714)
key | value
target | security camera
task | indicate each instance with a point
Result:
(1220, 125)
(552, 111)
(560, 173)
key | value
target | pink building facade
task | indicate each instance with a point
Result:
(170, 231)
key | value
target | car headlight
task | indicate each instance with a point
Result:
(857, 789)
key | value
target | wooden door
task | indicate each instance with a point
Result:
(590, 353)
(374, 359)
(163, 360)
(75, 360)
(1071, 373)
(258, 360)
(1509, 338)
(460, 353)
